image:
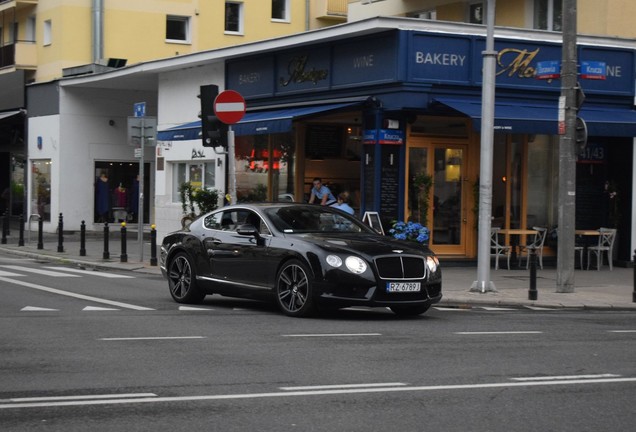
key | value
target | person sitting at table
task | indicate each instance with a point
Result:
(321, 192)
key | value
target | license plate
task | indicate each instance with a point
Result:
(403, 287)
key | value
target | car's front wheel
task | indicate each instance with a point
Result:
(182, 280)
(410, 310)
(294, 293)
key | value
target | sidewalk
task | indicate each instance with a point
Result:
(598, 290)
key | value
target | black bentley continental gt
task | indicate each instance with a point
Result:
(303, 256)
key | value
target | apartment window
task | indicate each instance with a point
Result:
(426, 15)
(280, 10)
(30, 29)
(547, 14)
(233, 17)
(178, 28)
(48, 33)
(477, 13)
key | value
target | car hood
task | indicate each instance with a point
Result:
(364, 244)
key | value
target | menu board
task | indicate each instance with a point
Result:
(390, 183)
(324, 141)
(369, 176)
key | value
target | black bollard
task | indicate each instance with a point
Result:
(60, 234)
(153, 245)
(5, 227)
(83, 239)
(106, 254)
(21, 238)
(40, 233)
(124, 256)
(634, 292)
(532, 292)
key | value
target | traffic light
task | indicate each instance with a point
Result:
(213, 131)
(580, 135)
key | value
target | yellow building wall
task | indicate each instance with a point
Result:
(136, 29)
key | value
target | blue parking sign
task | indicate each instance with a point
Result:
(140, 109)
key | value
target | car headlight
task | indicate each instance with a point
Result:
(334, 260)
(432, 263)
(356, 265)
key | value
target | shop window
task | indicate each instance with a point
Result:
(280, 10)
(547, 14)
(41, 188)
(265, 166)
(199, 175)
(117, 192)
(177, 29)
(234, 17)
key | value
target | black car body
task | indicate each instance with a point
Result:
(304, 256)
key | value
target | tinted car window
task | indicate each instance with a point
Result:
(313, 219)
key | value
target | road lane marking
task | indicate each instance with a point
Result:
(565, 377)
(331, 334)
(342, 386)
(498, 332)
(92, 273)
(539, 308)
(37, 309)
(190, 308)
(151, 338)
(95, 308)
(75, 295)
(494, 308)
(244, 396)
(80, 397)
(451, 309)
(9, 274)
(39, 271)
(621, 331)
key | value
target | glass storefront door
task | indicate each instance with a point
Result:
(445, 215)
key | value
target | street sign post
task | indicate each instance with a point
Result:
(229, 107)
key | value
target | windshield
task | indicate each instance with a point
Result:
(303, 219)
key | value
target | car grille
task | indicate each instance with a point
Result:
(401, 267)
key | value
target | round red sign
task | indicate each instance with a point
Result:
(229, 107)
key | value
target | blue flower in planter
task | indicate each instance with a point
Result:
(410, 231)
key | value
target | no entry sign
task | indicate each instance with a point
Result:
(229, 107)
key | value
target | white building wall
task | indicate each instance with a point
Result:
(178, 103)
(46, 130)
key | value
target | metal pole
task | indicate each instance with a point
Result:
(231, 160)
(567, 153)
(634, 292)
(483, 282)
(21, 237)
(106, 254)
(532, 291)
(82, 251)
(140, 209)
(40, 233)
(5, 227)
(60, 233)
(153, 245)
(124, 256)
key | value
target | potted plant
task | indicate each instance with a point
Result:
(205, 199)
(423, 182)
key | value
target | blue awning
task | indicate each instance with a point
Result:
(254, 123)
(542, 118)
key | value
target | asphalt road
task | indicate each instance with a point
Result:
(89, 351)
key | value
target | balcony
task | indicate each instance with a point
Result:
(9, 4)
(21, 55)
(335, 10)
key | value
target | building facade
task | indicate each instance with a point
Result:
(45, 40)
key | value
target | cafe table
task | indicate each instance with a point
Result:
(586, 243)
(514, 234)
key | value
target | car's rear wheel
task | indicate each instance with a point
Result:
(410, 310)
(182, 280)
(294, 293)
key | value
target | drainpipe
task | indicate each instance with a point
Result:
(306, 15)
(98, 30)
